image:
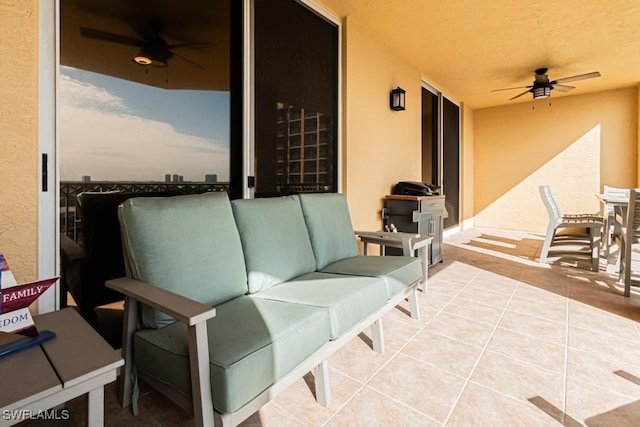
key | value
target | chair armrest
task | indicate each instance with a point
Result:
(181, 308)
(70, 250)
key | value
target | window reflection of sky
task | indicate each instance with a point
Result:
(114, 129)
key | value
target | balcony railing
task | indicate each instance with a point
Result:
(69, 190)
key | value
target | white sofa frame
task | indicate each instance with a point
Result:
(195, 315)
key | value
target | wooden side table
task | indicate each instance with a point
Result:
(408, 242)
(76, 362)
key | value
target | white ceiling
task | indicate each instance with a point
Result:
(467, 48)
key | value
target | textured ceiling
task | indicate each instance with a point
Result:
(468, 48)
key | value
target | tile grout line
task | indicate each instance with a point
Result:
(484, 349)
(366, 383)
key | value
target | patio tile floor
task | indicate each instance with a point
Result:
(503, 341)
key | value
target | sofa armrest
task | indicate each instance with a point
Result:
(406, 241)
(387, 234)
(181, 308)
(185, 310)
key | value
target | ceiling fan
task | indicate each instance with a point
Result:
(541, 87)
(154, 50)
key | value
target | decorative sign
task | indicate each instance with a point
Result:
(17, 330)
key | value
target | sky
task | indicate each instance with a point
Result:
(118, 130)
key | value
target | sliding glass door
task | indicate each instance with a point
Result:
(296, 99)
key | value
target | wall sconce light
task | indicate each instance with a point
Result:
(396, 99)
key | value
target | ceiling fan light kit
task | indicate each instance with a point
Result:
(541, 92)
(154, 57)
(142, 60)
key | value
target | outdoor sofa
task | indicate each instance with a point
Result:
(228, 303)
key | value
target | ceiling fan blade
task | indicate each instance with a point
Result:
(195, 64)
(563, 88)
(110, 37)
(519, 95)
(148, 30)
(578, 77)
(511, 88)
(177, 45)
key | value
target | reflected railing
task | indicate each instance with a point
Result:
(69, 190)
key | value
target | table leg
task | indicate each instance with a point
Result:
(95, 407)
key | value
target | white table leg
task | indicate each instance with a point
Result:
(95, 407)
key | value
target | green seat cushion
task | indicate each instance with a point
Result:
(398, 272)
(252, 343)
(274, 239)
(348, 300)
(185, 244)
(327, 218)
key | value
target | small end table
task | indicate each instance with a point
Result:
(76, 362)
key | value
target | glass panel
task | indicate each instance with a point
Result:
(144, 97)
(451, 161)
(296, 80)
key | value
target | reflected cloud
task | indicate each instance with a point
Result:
(102, 138)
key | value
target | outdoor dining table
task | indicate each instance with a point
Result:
(619, 205)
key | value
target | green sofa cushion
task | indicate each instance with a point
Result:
(274, 239)
(398, 272)
(252, 343)
(348, 300)
(185, 244)
(330, 229)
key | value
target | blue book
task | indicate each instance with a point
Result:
(13, 343)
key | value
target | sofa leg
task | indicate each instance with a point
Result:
(323, 389)
(125, 382)
(413, 305)
(203, 412)
(377, 336)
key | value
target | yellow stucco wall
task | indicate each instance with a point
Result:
(18, 136)
(380, 146)
(637, 184)
(576, 144)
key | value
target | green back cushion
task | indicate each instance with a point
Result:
(185, 244)
(274, 239)
(330, 229)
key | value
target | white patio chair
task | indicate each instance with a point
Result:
(630, 236)
(576, 244)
